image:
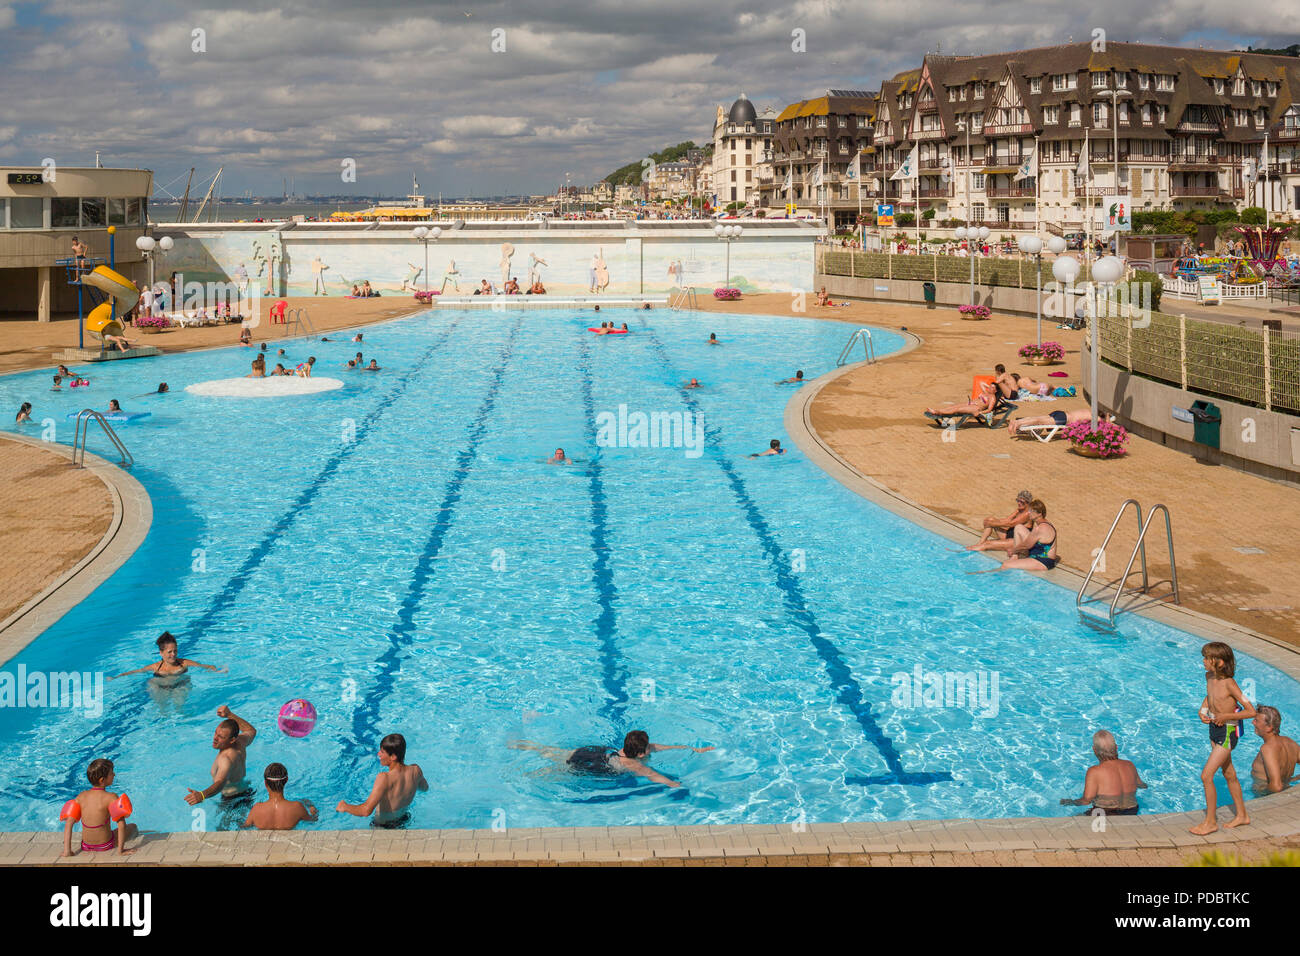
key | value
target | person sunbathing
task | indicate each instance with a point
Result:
(983, 405)
(1005, 381)
(823, 298)
(1058, 417)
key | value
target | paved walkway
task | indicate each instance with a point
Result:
(872, 418)
(51, 516)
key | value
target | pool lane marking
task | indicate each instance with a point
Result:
(124, 714)
(614, 671)
(848, 692)
(366, 715)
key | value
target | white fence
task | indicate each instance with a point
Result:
(1191, 289)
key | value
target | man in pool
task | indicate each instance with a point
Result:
(693, 383)
(229, 769)
(559, 458)
(797, 380)
(773, 448)
(171, 664)
(372, 367)
(395, 787)
(277, 813)
(603, 761)
(1274, 766)
(1112, 784)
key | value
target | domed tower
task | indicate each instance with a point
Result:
(740, 142)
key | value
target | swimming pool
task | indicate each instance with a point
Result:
(397, 552)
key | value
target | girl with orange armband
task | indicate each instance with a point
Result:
(95, 808)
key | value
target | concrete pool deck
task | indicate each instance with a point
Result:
(826, 420)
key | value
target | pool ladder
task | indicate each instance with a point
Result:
(79, 438)
(868, 347)
(300, 320)
(1139, 549)
(684, 299)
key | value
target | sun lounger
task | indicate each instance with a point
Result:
(1044, 433)
(997, 418)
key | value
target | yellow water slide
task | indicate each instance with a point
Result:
(120, 290)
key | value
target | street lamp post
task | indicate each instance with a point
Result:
(972, 233)
(728, 234)
(1032, 245)
(147, 245)
(424, 235)
(1105, 270)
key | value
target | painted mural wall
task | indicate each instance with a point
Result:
(300, 262)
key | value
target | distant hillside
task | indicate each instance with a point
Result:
(1292, 50)
(631, 173)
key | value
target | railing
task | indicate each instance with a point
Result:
(684, 299)
(1138, 549)
(80, 436)
(1196, 159)
(1009, 192)
(862, 335)
(1203, 191)
(300, 321)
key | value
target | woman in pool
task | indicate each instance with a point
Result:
(713, 338)
(113, 407)
(259, 367)
(24, 413)
(169, 664)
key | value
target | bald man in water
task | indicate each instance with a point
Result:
(1274, 765)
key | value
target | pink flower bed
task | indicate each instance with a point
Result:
(1050, 350)
(726, 293)
(153, 322)
(978, 311)
(1108, 440)
(426, 296)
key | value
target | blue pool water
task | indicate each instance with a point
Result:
(398, 552)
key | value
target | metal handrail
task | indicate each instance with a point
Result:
(80, 437)
(1139, 548)
(684, 298)
(300, 319)
(862, 335)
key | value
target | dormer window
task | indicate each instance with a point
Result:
(1099, 81)
(1036, 85)
(1219, 87)
(1144, 81)
(1239, 86)
(1256, 88)
(979, 91)
(1121, 81)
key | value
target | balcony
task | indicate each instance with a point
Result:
(932, 163)
(1196, 160)
(1009, 192)
(1197, 127)
(937, 192)
(1011, 159)
(1193, 192)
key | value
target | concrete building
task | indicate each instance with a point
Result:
(1190, 126)
(740, 139)
(39, 215)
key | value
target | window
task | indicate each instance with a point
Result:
(821, 122)
(1098, 114)
(1240, 117)
(749, 144)
(117, 212)
(733, 178)
(979, 91)
(1239, 86)
(1075, 114)
(1051, 115)
(977, 212)
(26, 212)
(842, 121)
(749, 175)
(1123, 112)
(1219, 87)
(1036, 85)
(1270, 89)
(1259, 118)
(92, 212)
(1121, 81)
(1164, 81)
(1144, 81)
(1146, 113)
(1162, 114)
(977, 181)
(749, 159)
(976, 122)
(1099, 81)
(1256, 88)
(952, 95)
(65, 213)
(962, 94)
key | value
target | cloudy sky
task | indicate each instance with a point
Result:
(272, 90)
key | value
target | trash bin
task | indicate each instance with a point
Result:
(1206, 421)
(929, 289)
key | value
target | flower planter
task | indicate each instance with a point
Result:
(1040, 360)
(1088, 452)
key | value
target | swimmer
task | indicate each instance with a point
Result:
(604, 328)
(357, 337)
(162, 388)
(58, 384)
(646, 306)
(304, 368)
(603, 761)
(95, 806)
(1275, 764)
(797, 380)
(280, 354)
(597, 308)
(63, 370)
(693, 383)
(360, 360)
(372, 367)
(263, 346)
(773, 448)
(351, 366)
(170, 664)
(259, 367)
(559, 459)
(279, 370)
(713, 338)
(24, 413)
(230, 740)
(277, 813)
(395, 787)
(113, 407)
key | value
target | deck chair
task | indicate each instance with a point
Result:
(996, 417)
(1044, 433)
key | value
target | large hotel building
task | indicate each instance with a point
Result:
(1190, 125)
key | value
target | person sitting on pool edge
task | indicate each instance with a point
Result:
(559, 459)
(1111, 786)
(95, 805)
(395, 787)
(277, 813)
(797, 380)
(999, 533)
(1035, 543)
(604, 761)
(773, 448)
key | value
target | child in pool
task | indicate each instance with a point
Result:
(1223, 707)
(58, 384)
(170, 664)
(24, 413)
(95, 821)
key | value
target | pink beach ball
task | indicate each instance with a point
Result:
(297, 718)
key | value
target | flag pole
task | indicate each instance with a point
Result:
(1038, 205)
(916, 178)
(1087, 202)
(1268, 186)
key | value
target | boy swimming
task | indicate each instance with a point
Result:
(95, 808)
(605, 761)
(1223, 708)
(394, 788)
